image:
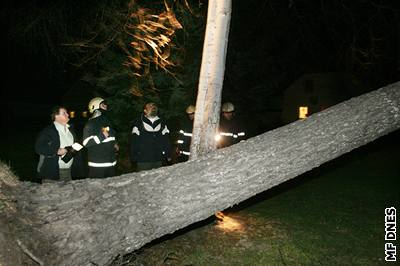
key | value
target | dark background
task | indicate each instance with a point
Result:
(271, 44)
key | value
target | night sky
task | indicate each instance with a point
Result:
(271, 44)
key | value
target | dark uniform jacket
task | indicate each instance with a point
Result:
(101, 151)
(184, 139)
(47, 145)
(149, 141)
(231, 132)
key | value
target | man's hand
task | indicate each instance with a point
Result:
(105, 131)
(61, 151)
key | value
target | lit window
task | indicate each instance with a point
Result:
(72, 114)
(303, 112)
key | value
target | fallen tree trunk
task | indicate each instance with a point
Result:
(89, 222)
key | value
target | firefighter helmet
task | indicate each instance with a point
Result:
(94, 104)
(190, 109)
(228, 107)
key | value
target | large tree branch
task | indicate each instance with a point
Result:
(91, 221)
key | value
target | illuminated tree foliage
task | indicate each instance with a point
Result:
(89, 40)
(151, 40)
(136, 50)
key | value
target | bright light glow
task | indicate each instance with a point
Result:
(228, 224)
(72, 114)
(217, 137)
(303, 112)
(84, 114)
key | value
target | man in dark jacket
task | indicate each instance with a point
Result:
(230, 130)
(185, 135)
(99, 139)
(150, 140)
(58, 159)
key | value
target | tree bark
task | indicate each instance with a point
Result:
(211, 78)
(89, 222)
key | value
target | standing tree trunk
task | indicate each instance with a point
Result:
(211, 78)
(89, 222)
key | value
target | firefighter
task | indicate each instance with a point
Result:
(99, 139)
(230, 131)
(149, 140)
(185, 135)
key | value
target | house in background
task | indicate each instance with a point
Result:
(313, 92)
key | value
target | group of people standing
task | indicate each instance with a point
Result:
(59, 149)
(230, 131)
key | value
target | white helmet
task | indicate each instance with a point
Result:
(190, 109)
(228, 107)
(94, 104)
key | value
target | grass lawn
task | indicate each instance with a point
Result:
(333, 215)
